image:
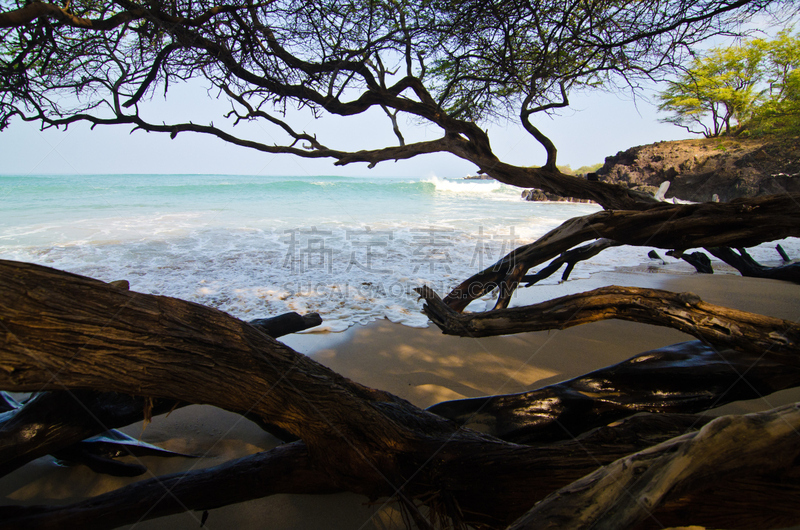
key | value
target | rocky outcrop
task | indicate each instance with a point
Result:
(478, 177)
(539, 195)
(699, 169)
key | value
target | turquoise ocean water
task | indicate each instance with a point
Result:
(349, 248)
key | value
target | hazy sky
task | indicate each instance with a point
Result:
(597, 125)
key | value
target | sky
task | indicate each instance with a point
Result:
(597, 125)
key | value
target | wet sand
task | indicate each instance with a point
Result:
(418, 364)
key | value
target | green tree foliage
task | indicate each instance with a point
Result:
(752, 86)
(780, 110)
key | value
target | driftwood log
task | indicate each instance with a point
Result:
(286, 323)
(65, 331)
(629, 491)
(53, 421)
(683, 378)
(721, 326)
(747, 266)
(739, 224)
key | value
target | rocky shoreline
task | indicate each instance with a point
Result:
(698, 169)
(543, 196)
(701, 170)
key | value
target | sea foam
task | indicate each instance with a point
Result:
(351, 249)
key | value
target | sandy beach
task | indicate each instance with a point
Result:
(418, 364)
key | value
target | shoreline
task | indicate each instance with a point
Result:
(442, 367)
(423, 366)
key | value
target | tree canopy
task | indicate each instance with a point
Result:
(454, 65)
(779, 110)
(753, 85)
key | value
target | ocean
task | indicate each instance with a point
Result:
(352, 249)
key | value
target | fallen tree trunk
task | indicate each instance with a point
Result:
(740, 223)
(52, 421)
(288, 469)
(717, 325)
(683, 378)
(66, 331)
(631, 489)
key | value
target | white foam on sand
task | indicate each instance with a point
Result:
(352, 250)
(347, 276)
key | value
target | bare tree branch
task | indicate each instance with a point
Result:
(570, 258)
(461, 64)
(743, 331)
(685, 378)
(37, 9)
(741, 223)
(285, 469)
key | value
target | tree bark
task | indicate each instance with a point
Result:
(685, 378)
(65, 331)
(740, 223)
(717, 325)
(52, 421)
(747, 266)
(631, 489)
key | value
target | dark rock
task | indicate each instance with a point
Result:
(543, 196)
(700, 169)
